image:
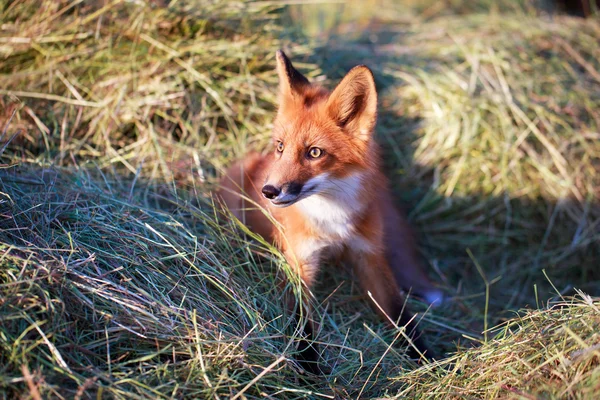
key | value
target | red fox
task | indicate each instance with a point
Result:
(324, 186)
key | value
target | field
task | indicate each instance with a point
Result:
(118, 117)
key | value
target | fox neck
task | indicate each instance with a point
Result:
(334, 213)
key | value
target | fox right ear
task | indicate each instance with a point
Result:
(353, 103)
(291, 82)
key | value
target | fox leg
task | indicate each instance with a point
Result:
(308, 354)
(376, 277)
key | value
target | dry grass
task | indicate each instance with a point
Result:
(545, 354)
(115, 280)
(135, 84)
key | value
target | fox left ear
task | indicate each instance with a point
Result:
(353, 103)
(291, 82)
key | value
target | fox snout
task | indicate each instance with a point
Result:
(270, 191)
(284, 195)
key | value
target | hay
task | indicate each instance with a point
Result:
(115, 280)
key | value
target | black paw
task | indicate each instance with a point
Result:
(309, 359)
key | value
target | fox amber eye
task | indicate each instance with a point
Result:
(280, 146)
(315, 152)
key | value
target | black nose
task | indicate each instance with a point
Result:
(270, 191)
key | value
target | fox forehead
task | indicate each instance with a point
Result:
(304, 117)
(307, 131)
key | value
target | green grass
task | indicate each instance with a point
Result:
(116, 281)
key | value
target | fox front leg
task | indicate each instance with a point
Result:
(308, 353)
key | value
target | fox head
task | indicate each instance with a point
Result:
(323, 140)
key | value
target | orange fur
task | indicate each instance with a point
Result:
(337, 204)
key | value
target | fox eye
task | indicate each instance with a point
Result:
(280, 147)
(315, 152)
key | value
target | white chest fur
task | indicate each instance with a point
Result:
(333, 209)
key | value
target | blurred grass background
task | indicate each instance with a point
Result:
(117, 116)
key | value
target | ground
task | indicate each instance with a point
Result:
(117, 120)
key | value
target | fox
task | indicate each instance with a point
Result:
(323, 187)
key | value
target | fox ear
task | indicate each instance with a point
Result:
(353, 103)
(291, 82)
